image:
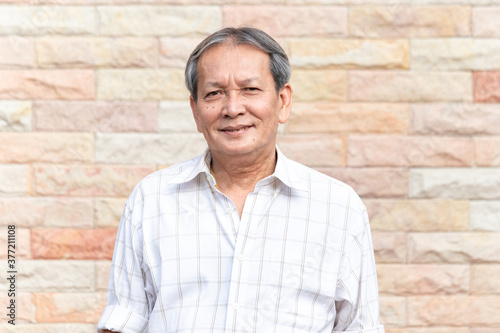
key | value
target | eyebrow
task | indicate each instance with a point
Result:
(215, 84)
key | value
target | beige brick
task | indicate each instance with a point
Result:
(95, 180)
(454, 310)
(176, 117)
(289, 21)
(427, 330)
(102, 271)
(381, 86)
(145, 20)
(46, 147)
(84, 52)
(50, 212)
(148, 148)
(52, 243)
(410, 21)
(418, 215)
(385, 150)
(422, 279)
(17, 52)
(487, 151)
(484, 215)
(373, 182)
(15, 179)
(392, 310)
(54, 275)
(24, 311)
(455, 54)
(140, 84)
(96, 116)
(48, 328)
(389, 247)
(454, 247)
(108, 211)
(21, 243)
(15, 116)
(174, 52)
(44, 20)
(61, 307)
(455, 118)
(341, 118)
(485, 21)
(319, 85)
(455, 183)
(349, 53)
(484, 330)
(484, 279)
(314, 150)
(47, 84)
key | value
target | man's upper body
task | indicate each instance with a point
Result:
(240, 238)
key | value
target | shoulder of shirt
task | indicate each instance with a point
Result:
(303, 172)
(176, 173)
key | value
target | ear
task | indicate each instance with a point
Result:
(285, 96)
(193, 105)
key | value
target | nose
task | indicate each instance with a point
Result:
(234, 105)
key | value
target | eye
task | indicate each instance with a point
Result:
(251, 89)
(214, 93)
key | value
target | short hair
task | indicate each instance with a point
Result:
(279, 64)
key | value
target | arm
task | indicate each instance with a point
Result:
(128, 305)
(357, 302)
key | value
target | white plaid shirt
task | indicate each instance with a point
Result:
(300, 259)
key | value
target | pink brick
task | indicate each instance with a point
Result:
(17, 52)
(289, 21)
(373, 182)
(455, 118)
(487, 87)
(47, 84)
(46, 147)
(348, 118)
(93, 180)
(487, 151)
(58, 307)
(49, 212)
(398, 279)
(454, 310)
(24, 307)
(389, 247)
(95, 244)
(383, 150)
(484, 279)
(314, 150)
(96, 116)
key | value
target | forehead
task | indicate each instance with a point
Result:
(229, 57)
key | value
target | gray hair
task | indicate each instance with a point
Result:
(279, 65)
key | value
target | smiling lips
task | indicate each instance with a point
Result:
(235, 129)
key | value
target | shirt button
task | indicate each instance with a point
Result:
(229, 211)
(236, 306)
(241, 257)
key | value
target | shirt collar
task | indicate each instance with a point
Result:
(285, 170)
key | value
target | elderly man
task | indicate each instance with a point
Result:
(242, 239)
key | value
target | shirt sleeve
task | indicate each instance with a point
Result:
(129, 303)
(357, 303)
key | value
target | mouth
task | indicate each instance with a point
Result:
(236, 129)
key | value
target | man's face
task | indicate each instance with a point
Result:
(238, 109)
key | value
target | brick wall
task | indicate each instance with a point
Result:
(400, 99)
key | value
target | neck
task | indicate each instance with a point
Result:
(242, 173)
